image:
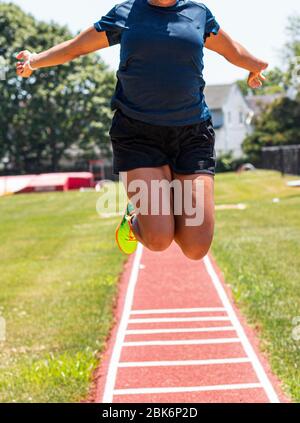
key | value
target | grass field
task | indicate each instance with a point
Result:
(59, 267)
(258, 250)
(58, 272)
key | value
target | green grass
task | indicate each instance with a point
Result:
(258, 250)
(58, 272)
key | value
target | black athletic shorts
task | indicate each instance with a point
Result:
(186, 149)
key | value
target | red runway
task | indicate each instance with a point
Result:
(179, 338)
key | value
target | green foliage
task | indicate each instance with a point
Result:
(228, 163)
(292, 50)
(275, 83)
(292, 47)
(279, 80)
(57, 110)
(279, 124)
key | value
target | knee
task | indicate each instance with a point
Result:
(158, 241)
(196, 251)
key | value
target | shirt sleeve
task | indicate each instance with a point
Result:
(109, 24)
(211, 26)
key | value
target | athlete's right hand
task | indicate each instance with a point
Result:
(22, 68)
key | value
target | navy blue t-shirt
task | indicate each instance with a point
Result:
(160, 77)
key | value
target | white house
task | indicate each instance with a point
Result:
(231, 117)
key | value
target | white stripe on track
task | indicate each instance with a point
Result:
(183, 330)
(181, 319)
(117, 348)
(179, 310)
(145, 391)
(183, 342)
(114, 363)
(261, 374)
(212, 362)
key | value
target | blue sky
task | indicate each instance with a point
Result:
(258, 24)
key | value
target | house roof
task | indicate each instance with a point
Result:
(216, 95)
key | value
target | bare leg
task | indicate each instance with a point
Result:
(195, 241)
(154, 231)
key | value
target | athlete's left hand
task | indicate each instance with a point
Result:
(22, 68)
(256, 79)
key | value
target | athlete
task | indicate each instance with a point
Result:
(162, 128)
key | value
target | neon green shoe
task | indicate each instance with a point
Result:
(125, 237)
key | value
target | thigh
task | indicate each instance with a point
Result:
(195, 224)
(149, 191)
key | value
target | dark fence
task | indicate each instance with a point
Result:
(286, 159)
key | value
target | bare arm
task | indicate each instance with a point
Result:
(86, 42)
(236, 54)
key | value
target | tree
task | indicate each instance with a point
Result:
(57, 109)
(274, 84)
(292, 47)
(279, 124)
(278, 80)
(292, 51)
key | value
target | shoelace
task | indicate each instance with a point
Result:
(132, 237)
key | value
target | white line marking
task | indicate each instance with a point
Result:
(181, 319)
(179, 310)
(145, 391)
(117, 348)
(185, 362)
(183, 330)
(183, 342)
(261, 374)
